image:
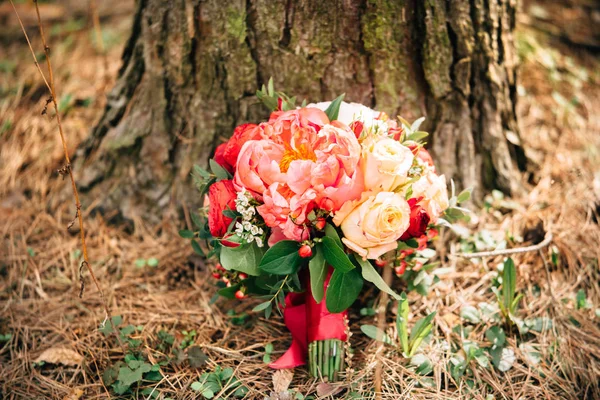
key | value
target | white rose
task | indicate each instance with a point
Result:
(385, 163)
(434, 192)
(350, 112)
(373, 224)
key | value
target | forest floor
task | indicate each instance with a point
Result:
(50, 342)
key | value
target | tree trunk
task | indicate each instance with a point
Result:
(191, 68)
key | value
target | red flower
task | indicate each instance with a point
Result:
(241, 135)
(357, 127)
(221, 196)
(418, 220)
(220, 158)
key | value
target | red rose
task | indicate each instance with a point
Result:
(241, 135)
(221, 196)
(220, 158)
(418, 221)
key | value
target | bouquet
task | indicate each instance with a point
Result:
(302, 208)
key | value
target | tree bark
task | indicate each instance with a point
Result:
(191, 68)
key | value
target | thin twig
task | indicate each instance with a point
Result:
(67, 168)
(99, 40)
(517, 250)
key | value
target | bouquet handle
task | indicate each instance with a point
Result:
(316, 333)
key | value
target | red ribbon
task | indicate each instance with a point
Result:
(308, 321)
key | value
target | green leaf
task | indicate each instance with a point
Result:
(229, 292)
(417, 124)
(335, 256)
(186, 234)
(153, 262)
(244, 258)
(343, 289)
(106, 329)
(220, 172)
(465, 195)
(496, 335)
(420, 331)
(331, 232)
(282, 258)
(417, 136)
(580, 299)
(402, 322)
(375, 333)
(371, 275)
(318, 272)
(509, 282)
(197, 248)
(262, 306)
(334, 108)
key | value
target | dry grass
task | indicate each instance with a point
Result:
(39, 259)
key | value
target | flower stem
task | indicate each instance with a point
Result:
(326, 358)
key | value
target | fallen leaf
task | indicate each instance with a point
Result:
(196, 357)
(75, 394)
(60, 355)
(282, 379)
(327, 389)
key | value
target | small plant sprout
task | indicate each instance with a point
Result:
(409, 345)
(508, 299)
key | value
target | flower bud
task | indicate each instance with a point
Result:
(305, 251)
(320, 223)
(380, 263)
(216, 275)
(399, 270)
(242, 276)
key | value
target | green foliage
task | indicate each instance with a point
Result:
(282, 258)
(271, 98)
(244, 258)
(268, 351)
(369, 274)
(335, 255)
(220, 381)
(334, 108)
(318, 273)
(409, 345)
(344, 288)
(508, 299)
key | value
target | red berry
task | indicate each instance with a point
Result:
(225, 279)
(399, 270)
(239, 295)
(380, 263)
(320, 223)
(216, 275)
(228, 284)
(220, 267)
(305, 251)
(418, 265)
(242, 276)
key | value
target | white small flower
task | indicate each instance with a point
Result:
(249, 238)
(259, 241)
(254, 230)
(247, 225)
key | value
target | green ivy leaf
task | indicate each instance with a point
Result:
(244, 258)
(282, 258)
(335, 256)
(369, 274)
(343, 289)
(334, 108)
(318, 272)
